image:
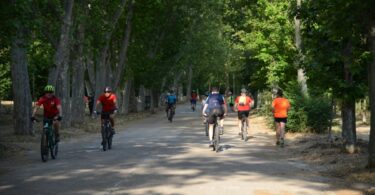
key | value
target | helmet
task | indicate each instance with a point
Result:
(243, 90)
(107, 89)
(229, 93)
(49, 88)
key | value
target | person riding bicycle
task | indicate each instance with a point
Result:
(109, 105)
(51, 108)
(280, 108)
(243, 106)
(230, 100)
(193, 99)
(171, 100)
(217, 108)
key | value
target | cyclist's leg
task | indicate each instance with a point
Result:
(211, 121)
(239, 114)
(282, 129)
(277, 128)
(112, 121)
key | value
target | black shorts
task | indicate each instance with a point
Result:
(106, 115)
(280, 120)
(216, 112)
(245, 112)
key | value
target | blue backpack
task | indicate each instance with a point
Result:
(171, 99)
(215, 101)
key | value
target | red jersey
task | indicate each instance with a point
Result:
(243, 103)
(194, 96)
(281, 106)
(108, 103)
(49, 105)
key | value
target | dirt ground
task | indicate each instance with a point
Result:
(315, 150)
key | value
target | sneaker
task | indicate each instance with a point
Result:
(221, 130)
(282, 142)
(211, 144)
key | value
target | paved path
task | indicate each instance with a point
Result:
(153, 156)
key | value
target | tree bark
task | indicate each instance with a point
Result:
(124, 47)
(371, 78)
(78, 110)
(63, 45)
(21, 87)
(348, 125)
(190, 78)
(301, 77)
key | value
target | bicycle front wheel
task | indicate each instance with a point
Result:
(109, 138)
(104, 139)
(44, 146)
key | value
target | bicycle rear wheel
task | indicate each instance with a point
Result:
(44, 146)
(217, 139)
(170, 115)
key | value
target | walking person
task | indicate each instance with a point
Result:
(280, 108)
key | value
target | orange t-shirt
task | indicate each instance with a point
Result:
(243, 103)
(280, 106)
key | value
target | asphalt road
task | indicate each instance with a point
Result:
(154, 156)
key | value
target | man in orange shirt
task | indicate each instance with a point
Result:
(280, 108)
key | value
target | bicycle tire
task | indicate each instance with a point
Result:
(104, 139)
(217, 139)
(44, 146)
(54, 150)
(109, 138)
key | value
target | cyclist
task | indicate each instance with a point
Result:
(193, 99)
(280, 108)
(217, 108)
(51, 108)
(171, 100)
(109, 105)
(230, 100)
(243, 106)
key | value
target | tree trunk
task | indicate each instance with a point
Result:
(124, 47)
(124, 104)
(301, 77)
(348, 125)
(141, 99)
(371, 78)
(78, 110)
(21, 87)
(190, 78)
(63, 45)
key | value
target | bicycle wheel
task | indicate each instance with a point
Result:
(109, 138)
(104, 139)
(44, 146)
(170, 115)
(53, 147)
(217, 139)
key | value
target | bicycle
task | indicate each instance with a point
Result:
(170, 113)
(106, 131)
(48, 144)
(243, 127)
(216, 136)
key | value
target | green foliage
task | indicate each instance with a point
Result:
(307, 114)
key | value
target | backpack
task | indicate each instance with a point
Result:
(215, 101)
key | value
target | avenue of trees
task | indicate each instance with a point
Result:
(321, 53)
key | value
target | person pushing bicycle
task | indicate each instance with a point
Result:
(109, 106)
(243, 106)
(51, 108)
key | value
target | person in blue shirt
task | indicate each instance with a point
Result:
(217, 108)
(171, 101)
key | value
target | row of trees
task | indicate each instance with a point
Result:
(327, 48)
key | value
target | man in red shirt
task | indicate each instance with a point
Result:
(243, 106)
(109, 105)
(52, 108)
(193, 100)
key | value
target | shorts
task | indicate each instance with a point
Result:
(244, 112)
(106, 115)
(280, 120)
(215, 112)
(193, 101)
(231, 104)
